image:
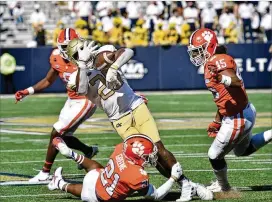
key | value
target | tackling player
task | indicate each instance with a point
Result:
(123, 175)
(125, 109)
(235, 116)
(75, 111)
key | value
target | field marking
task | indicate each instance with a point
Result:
(250, 160)
(8, 183)
(65, 194)
(32, 195)
(109, 148)
(194, 170)
(21, 132)
(177, 92)
(16, 140)
(195, 155)
(149, 172)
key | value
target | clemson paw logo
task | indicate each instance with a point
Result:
(207, 35)
(138, 148)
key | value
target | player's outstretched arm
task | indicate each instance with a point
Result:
(82, 82)
(122, 56)
(160, 193)
(47, 81)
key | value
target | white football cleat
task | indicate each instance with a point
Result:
(216, 187)
(55, 182)
(188, 190)
(203, 193)
(62, 147)
(41, 177)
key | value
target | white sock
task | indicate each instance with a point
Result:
(222, 177)
(61, 184)
(267, 136)
(65, 187)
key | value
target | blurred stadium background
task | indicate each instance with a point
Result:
(157, 30)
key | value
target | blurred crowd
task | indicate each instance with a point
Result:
(136, 23)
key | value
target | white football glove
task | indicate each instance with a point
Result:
(86, 54)
(112, 79)
(176, 171)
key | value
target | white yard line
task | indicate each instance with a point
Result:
(181, 155)
(76, 174)
(32, 195)
(178, 92)
(109, 148)
(116, 137)
(21, 132)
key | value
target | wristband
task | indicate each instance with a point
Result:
(30, 90)
(226, 80)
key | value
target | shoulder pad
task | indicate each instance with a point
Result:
(56, 52)
(222, 62)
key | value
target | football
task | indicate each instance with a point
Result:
(103, 60)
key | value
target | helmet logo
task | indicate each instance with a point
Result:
(138, 148)
(207, 35)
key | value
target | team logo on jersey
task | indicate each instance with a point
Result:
(134, 70)
(138, 148)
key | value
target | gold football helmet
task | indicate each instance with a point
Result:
(72, 48)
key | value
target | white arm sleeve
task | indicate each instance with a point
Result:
(83, 82)
(158, 194)
(124, 57)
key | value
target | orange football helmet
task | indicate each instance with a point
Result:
(203, 43)
(141, 150)
(65, 36)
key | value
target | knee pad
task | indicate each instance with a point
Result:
(212, 154)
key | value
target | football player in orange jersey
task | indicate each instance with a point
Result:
(76, 109)
(235, 116)
(123, 175)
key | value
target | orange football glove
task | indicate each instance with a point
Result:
(19, 95)
(213, 128)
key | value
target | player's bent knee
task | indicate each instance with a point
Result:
(212, 154)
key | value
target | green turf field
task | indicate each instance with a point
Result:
(182, 120)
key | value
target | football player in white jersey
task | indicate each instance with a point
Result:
(127, 111)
